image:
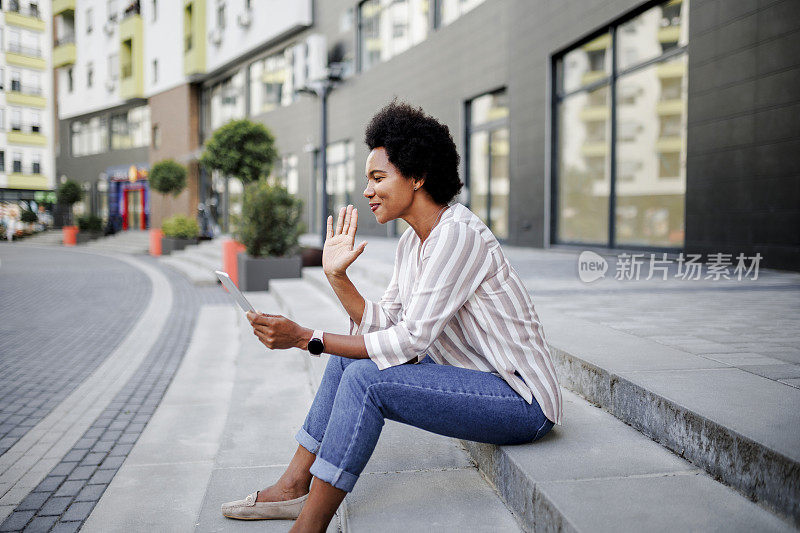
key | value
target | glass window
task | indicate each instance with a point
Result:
(113, 67)
(341, 175)
(89, 20)
(2, 160)
(70, 80)
(36, 164)
(652, 33)
(17, 162)
(131, 129)
(487, 165)
(227, 100)
(587, 64)
(272, 82)
(89, 137)
(389, 27)
(649, 148)
(89, 75)
(450, 10)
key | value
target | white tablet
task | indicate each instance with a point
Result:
(234, 291)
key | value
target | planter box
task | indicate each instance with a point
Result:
(171, 244)
(255, 272)
(82, 237)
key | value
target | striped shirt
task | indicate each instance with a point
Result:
(457, 299)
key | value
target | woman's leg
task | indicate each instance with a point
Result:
(296, 479)
(451, 401)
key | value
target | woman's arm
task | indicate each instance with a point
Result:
(351, 299)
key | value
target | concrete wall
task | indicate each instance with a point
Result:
(743, 167)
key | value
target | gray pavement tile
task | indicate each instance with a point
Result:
(120, 449)
(78, 511)
(103, 446)
(662, 503)
(55, 506)
(82, 472)
(75, 455)
(33, 501)
(771, 371)
(49, 484)
(16, 521)
(794, 382)
(91, 493)
(70, 488)
(450, 501)
(63, 469)
(40, 524)
(67, 527)
(93, 459)
(113, 462)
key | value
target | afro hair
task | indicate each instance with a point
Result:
(419, 146)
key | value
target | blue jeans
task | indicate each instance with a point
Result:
(354, 397)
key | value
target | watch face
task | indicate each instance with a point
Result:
(315, 346)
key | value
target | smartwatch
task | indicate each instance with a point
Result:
(315, 345)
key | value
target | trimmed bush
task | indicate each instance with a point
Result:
(168, 177)
(270, 223)
(180, 227)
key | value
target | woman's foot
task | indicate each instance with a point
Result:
(281, 492)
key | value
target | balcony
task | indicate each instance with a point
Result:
(20, 180)
(28, 18)
(25, 56)
(64, 53)
(131, 56)
(63, 7)
(25, 95)
(27, 134)
(194, 45)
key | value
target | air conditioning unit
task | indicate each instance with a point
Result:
(215, 36)
(110, 84)
(108, 27)
(244, 19)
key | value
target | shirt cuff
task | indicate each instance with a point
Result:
(369, 319)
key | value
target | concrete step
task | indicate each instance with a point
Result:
(191, 255)
(548, 484)
(197, 274)
(691, 404)
(414, 479)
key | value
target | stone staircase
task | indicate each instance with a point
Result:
(198, 262)
(654, 438)
(51, 237)
(125, 242)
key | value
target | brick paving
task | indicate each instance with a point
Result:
(57, 325)
(67, 495)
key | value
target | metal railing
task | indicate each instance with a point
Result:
(26, 127)
(31, 11)
(16, 86)
(17, 48)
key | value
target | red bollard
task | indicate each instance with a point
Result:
(155, 241)
(230, 263)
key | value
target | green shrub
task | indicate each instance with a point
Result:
(168, 177)
(91, 223)
(180, 227)
(270, 222)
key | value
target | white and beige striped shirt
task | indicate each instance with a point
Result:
(459, 300)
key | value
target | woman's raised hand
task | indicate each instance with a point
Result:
(338, 253)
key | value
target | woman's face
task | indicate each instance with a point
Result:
(390, 194)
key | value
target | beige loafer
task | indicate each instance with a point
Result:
(250, 509)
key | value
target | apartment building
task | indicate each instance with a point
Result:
(26, 105)
(660, 126)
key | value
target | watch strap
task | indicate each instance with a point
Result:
(318, 335)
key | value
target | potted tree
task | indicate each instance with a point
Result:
(67, 195)
(29, 218)
(269, 228)
(169, 178)
(179, 232)
(245, 150)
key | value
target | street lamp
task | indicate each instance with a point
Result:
(321, 89)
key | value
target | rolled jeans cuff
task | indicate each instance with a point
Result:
(337, 477)
(307, 441)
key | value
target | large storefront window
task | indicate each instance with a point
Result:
(89, 136)
(487, 161)
(131, 129)
(450, 10)
(341, 181)
(389, 27)
(620, 107)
